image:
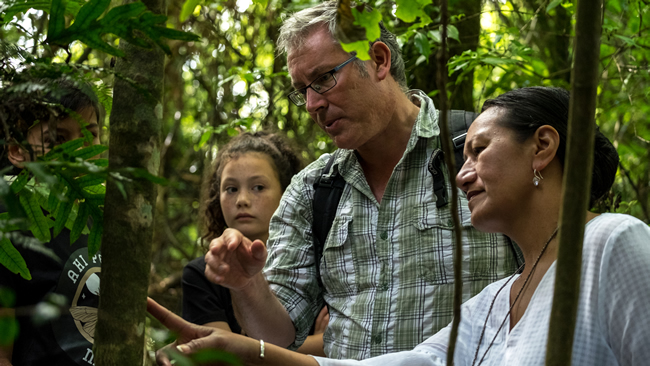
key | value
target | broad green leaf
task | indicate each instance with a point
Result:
(143, 173)
(629, 41)
(89, 152)
(360, 47)
(20, 181)
(23, 6)
(88, 14)
(12, 260)
(65, 148)
(205, 137)
(370, 21)
(11, 201)
(62, 213)
(89, 180)
(117, 15)
(57, 19)
(409, 10)
(79, 222)
(95, 237)
(452, 32)
(188, 9)
(39, 224)
(422, 44)
(553, 5)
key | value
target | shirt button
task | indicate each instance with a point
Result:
(383, 235)
(383, 286)
(376, 339)
(450, 223)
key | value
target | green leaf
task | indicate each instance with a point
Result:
(205, 137)
(361, 49)
(188, 9)
(20, 182)
(95, 237)
(12, 260)
(409, 10)
(88, 14)
(370, 21)
(144, 174)
(79, 222)
(452, 32)
(57, 19)
(629, 41)
(422, 44)
(65, 148)
(23, 6)
(89, 152)
(553, 5)
(89, 180)
(62, 213)
(39, 224)
(12, 203)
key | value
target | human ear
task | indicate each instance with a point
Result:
(380, 55)
(16, 155)
(547, 141)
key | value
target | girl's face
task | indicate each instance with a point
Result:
(250, 193)
(497, 175)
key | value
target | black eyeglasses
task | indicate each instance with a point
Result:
(322, 84)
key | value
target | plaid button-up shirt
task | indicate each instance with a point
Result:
(387, 267)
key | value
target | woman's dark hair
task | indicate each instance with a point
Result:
(286, 163)
(527, 109)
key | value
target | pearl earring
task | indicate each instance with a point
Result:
(537, 177)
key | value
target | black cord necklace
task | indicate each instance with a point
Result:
(511, 306)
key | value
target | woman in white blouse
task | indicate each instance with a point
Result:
(513, 180)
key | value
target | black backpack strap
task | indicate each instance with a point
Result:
(328, 189)
(459, 122)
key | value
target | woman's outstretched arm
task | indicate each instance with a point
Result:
(192, 337)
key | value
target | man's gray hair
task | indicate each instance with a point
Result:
(300, 25)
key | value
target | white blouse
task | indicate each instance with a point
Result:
(613, 324)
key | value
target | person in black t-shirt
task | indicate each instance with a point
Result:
(250, 174)
(72, 276)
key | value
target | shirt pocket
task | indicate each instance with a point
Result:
(435, 241)
(337, 264)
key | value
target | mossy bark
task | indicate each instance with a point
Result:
(577, 182)
(135, 128)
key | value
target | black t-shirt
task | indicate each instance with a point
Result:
(204, 301)
(67, 340)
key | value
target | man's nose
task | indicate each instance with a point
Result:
(315, 101)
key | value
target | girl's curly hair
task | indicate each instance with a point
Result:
(286, 162)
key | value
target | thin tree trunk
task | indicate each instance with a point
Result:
(128, 219)
(577, 182)
(451, 171)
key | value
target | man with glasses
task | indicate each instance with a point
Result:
(386, 267)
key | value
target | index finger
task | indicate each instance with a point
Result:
(168, 319)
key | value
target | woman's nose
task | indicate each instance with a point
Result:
(465, 176)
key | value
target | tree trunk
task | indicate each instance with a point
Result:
(128, 212)
(577, 182)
